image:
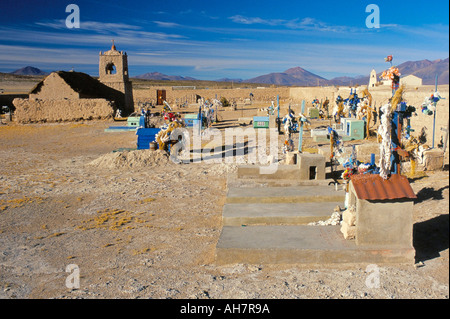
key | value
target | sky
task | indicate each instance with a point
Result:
(210, 40)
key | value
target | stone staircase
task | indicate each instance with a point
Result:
(265, 221)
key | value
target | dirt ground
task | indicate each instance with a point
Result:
(151, 231)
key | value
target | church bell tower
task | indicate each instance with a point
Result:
(113, 72)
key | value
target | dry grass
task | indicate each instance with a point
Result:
(136, 252)
(19, 202)
(116, 220)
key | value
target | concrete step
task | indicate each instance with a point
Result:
(277, 214)
(300, 245)
(234, 181)
(290, 194)
(291, 172)
(283, 172)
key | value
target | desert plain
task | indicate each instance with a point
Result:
(142, 226)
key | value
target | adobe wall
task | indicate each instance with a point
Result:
(380, 94)
(7, 99)
(308, 94)
(34, 110)
(175, 96)
(54, 88)
(413, 95)
(411, 81)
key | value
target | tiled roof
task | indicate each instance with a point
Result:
(373, 187)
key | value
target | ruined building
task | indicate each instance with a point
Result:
(72, 96)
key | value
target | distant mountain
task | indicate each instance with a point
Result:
(424, 69)
(163, 77)
(229, 80)
(294, 76)
(305, 76)
(29, 70)
(428, 73)
(410, 67)
(346, 80)
(297, 76)
(274, 78)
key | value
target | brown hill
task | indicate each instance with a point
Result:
(163, 77)
(428, 73)
(29, 70)
(294, 76)
(424, 69)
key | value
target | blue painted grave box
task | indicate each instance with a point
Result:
(145, 137)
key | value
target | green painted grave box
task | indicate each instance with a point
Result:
(354, 128)
(133, 120)
(189, 120)
(260, 122)
(313, 113)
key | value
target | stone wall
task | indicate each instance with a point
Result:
(34, 110)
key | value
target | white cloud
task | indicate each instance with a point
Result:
(95, 35)
(255, 20)
(89, 25)
(163, 24)
(293, 44)
(307, 24)
(28, 55)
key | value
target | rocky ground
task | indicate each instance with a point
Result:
(149, 231)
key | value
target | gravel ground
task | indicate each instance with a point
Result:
(150, 232)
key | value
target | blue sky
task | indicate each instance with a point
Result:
(215, 39)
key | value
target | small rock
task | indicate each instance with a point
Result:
(349, 232)
(419, 264)
(253, 268)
